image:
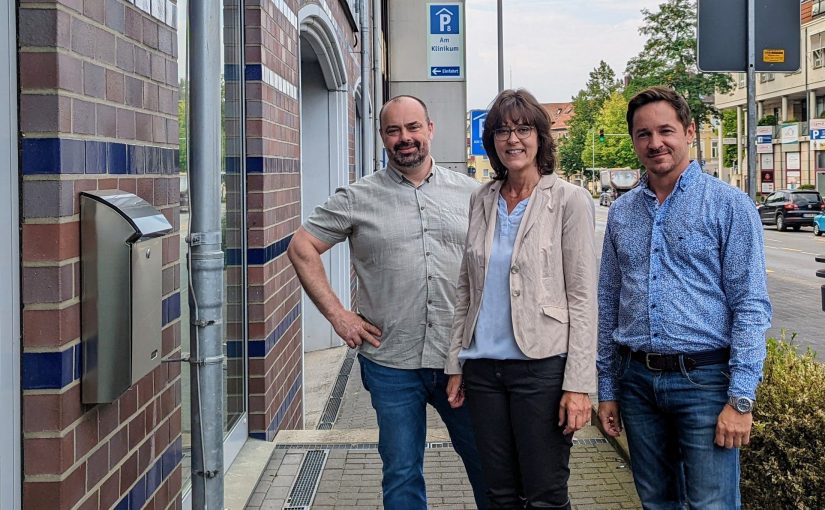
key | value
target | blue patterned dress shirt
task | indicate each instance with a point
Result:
(683, 276)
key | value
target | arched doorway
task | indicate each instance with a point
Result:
(324, 153)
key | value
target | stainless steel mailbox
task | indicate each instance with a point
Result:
(121, 257)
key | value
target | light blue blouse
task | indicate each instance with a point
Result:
(494, 338)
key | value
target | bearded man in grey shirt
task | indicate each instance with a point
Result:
(406, 227)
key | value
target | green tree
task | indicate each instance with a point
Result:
(729, 130)
(617, 149)
(669, 58)
(586, 106)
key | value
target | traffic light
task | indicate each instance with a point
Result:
(601, 136)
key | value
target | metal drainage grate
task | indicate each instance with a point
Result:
(306, 483)
(374, 446)
(333, 406)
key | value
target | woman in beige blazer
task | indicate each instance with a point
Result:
(523, 348)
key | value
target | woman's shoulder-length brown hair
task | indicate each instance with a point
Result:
(519, 107)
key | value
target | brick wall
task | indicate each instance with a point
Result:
(98, 110)
(274, 202)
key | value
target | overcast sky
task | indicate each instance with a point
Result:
(550, 45)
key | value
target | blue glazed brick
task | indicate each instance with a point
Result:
(253, 72)
(48, 370)
(40, 156)
(123, 504)
(116, 160)
(137, 496)
(152, 160)
(72, 156)
(153, 478)
(136, 159)
(254, 165)
(95, 157)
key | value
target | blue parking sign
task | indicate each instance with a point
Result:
(444, 19)
(477, 118)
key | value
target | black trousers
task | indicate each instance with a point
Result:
(525, 456)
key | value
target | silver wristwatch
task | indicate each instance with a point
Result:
(742, 405)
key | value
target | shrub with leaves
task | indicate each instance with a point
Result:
(784, 465)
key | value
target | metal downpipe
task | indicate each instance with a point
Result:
(377, 79)
(205, 256)
(366, 111)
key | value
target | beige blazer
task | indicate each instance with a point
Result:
(553, 278)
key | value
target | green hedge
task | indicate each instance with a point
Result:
(784, 465)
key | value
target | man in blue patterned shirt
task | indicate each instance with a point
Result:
(683, 309)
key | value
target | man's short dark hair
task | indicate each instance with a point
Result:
(655, 94)
(519, 107)
(395, 99)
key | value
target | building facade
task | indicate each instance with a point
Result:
(103, 90)
(789, 107)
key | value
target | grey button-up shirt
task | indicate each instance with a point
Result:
(406, 245)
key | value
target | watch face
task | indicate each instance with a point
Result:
(743, 405)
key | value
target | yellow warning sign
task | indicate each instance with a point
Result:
(773, 56)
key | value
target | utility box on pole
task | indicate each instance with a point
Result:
(427, 60)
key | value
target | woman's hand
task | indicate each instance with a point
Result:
(574, 411)
(455, 391)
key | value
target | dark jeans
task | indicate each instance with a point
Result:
(400, 399)
(670, 420)
(515, 410)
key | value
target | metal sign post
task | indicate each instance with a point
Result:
(752, 98)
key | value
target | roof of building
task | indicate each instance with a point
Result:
(560, 113)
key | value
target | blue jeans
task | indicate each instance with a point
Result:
(400, 399)
(670, 420)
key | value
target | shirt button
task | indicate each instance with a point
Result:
(422, 207)
(429, 277)
(655, 250)
(654, 276)
(429, 301)
(425, 230)
(516, 293)
(427, 254)
(655, 335)
(653, 306)
(514, 269)
(429, 324)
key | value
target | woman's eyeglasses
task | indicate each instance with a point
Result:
(503, 133)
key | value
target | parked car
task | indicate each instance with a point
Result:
(606, 197)
(791, 208)
(819, 224)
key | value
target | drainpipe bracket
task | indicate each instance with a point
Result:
(201, 238)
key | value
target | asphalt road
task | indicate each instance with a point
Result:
(792, 285)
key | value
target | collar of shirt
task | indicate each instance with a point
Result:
(400, 178)
(685, 181)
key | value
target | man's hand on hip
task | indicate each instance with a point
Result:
(355, 330)
(610, 417)
(733, 429)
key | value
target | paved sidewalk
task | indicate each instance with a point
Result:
(338, 467)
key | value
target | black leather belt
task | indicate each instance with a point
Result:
(671, 362)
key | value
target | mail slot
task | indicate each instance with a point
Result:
(121, 259)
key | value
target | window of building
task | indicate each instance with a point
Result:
(765, 77)
(817, 50)
(714, 149)
(741, 80)
(818, 7)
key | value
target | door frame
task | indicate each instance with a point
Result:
(10, 454)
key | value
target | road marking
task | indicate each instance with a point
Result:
(789, 249)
